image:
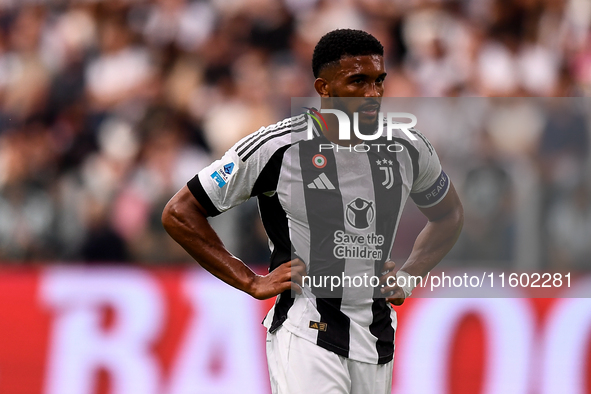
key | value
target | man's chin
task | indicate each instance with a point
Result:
(368, 120)
(368, 127)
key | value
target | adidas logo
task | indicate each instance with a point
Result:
(321, 182)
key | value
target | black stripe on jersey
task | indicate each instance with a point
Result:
(270, 134)
(196, 188)
(381, 328)
(388, 204)
(269, 176)
(277, 228)
(336, 338)
(282, 306)
(272, 213)
(276, 225)
(325, 215)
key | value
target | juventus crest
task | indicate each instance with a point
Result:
(386, 166)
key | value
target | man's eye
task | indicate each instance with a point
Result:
(358, 80)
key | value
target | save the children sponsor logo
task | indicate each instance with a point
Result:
(358, 246)
(360, 213)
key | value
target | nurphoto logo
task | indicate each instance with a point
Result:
(345, 124)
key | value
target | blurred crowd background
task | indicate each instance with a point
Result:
(107, 108)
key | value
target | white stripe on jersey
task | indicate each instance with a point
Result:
(291, 194)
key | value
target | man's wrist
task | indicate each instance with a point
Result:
(405, 282)
(252, 285)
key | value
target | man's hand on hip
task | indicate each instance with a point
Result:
(394, 293)
(286, 276)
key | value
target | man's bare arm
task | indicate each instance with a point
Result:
(435, 240)
(185, 220)
(439, 235)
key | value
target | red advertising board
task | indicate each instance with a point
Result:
(137, 331)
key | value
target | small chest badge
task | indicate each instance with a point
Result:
(319, 161)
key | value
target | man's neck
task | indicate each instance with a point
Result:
(332, 134)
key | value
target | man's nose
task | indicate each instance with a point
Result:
(374, 90)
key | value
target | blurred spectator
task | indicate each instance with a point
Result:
(102, 243)
(569, 230)
(108, 107)
(28, 77)
(186, 24)
(165, 164)
(122, 72)
(489, 228)
(564, 143)
(562, 157)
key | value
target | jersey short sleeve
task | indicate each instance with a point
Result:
(432, 183)
(249, 168)
(223, 184)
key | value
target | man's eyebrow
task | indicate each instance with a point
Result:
(361, 75)
(358, 75)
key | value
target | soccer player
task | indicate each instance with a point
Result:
(328, 213)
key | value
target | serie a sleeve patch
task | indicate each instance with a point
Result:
(433, 194)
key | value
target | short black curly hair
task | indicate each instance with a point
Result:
(343, 42)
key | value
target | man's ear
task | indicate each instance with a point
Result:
(321, 86)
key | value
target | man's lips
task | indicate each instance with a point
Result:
(369, 109)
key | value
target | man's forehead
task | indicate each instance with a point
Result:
(350, 65)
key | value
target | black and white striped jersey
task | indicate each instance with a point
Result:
(338, 210)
